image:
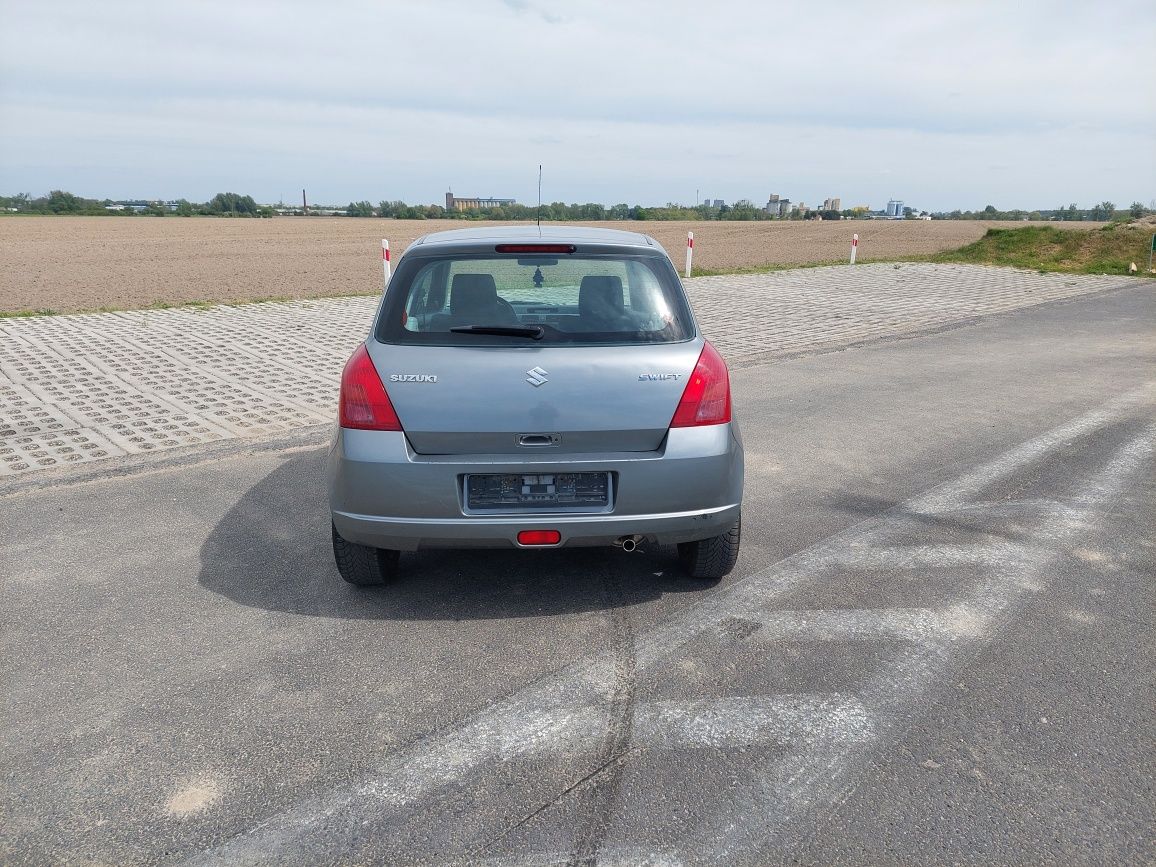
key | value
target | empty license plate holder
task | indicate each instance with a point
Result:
(585, 492)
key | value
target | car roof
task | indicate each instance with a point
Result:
(478, 238)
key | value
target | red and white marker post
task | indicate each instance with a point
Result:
(854, 246)
(689, 251)
(385, 260)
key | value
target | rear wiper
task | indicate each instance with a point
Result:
(534, 332)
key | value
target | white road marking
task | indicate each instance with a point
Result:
(750, 720)
(919, 625)
(539, 716)
(616, 856)
(734, 721)
(945, 498)
(914, 556)
(705, 723)
(758, 816)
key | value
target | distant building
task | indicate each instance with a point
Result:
(778, 206)
(834, 204)
(895, 208)
(455, 204)
(718, 203)
(141, 205)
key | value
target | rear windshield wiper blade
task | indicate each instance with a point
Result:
(534, 332)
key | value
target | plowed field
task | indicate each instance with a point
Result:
(69, 264)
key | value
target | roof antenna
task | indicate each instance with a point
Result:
(539, 200)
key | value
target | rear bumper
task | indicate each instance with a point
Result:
(383, 494)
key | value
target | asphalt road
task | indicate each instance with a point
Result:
(937, 646)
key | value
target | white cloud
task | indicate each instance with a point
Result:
(638, 101)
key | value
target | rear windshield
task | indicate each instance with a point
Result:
(566, 299)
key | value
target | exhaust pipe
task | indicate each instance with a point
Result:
(628, 543)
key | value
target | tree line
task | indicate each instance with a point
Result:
(743, 209)
(63, 202)
(237, 205)
(1102, 212)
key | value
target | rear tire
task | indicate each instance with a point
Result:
(714, 557)
(362, 565)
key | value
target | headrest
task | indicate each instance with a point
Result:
(472, 292)
(601, 294)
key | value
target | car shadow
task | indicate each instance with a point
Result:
(271, 550)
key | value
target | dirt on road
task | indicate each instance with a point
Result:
(71, 264)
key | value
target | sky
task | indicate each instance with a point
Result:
(941, 103)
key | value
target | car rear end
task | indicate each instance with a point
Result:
(534, 392)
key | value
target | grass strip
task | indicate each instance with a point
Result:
(1109, 250)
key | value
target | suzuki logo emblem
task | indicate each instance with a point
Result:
(536, 376)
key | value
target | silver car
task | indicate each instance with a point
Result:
(534, 388)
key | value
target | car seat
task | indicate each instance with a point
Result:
(601, 306)
(474, 300)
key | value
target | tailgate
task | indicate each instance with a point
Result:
(504, 400)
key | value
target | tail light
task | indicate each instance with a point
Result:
(364, 402)
(707, 396)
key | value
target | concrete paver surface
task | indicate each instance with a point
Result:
(78, 389)
(936, 647)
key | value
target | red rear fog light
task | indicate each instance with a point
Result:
(539, 537)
